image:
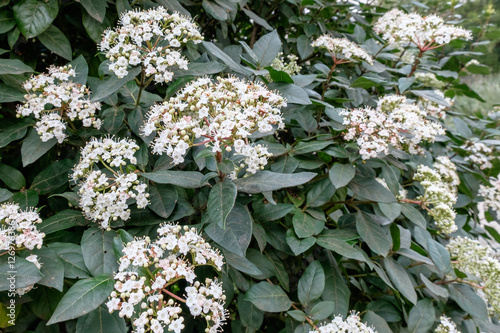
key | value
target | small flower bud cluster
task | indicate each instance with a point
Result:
(393, 123)
(446, 326)
(425, 32)
(254, 157)
(434, 109)
(350, 324)
(150, 39)
(429, 80)
(148, 269)
(53, 99)
(342, 49)
(221, 113)
(103, 198)
(291, 67)
(18, 228)
(33, 259)
(477, 260)
(479, 154)
(440, 184)
(491, 195)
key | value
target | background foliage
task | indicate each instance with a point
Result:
(315, 234)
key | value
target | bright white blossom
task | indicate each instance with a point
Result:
(440, 184)
(479, 154)
(54, 100)
(477, 260)
(103, 194)
(446, 326)
(393, 123)
(18, 228)
(289, 66)
(342, 49)
(425, 32)
(434, 109)
(147, 270)
(151, 39)
(351, 324)
(222, 114)
(491, 195)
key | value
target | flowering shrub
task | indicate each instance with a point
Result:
(261, 167)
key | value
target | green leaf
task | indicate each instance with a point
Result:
(238, 232)
(97, 251)
(332, 241)
(250, 315)
(297, 315)
(268, 212)
(13, 66)
(4, 194)
(434, 288)
(216, 11)
(174, 6)
(265, 181)
(82, 298)
(440, 255)
(267, 48)
(298, 245)
(21, 272)
(468, 300)
(26, 199)
(257, 19)
(400, 279)
(9, 94)
(341, 174)
(72, 258)
(268, 297)
(34, 17)
(214, 50)
(6, 21)
(201, 68)
(241, 263)
(303, 224)
(14, 132)
(279, 76)
(372, 233)
(12, 177)
(478, 69)
(52, 177)
(310, 146)
(79, 65)
(421, 317)
(311, 283)
(221, 201)
(33, 147)
(63, 220)
(186, 179)
(363, 82)
(163, 199)
(96, 8)
(101, 321)
(112, 84)
(379, 323)
(293, 93)
(56, 41)
(322, 310)
(336, 289)
(52, 268)
(304, 46)
(371, 189)
(412, 214)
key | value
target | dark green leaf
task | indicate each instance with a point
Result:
(5, 194)
(54, 176)
(210, 47)
(268, 297)
(101, 321)
(20, 272)
(96, 8)
(14, 132)
(468, 300)
(310, 146)
(293, 93)
(221, 201)
(268, 212)
(303, 224)
(214, 10)
(13, 66)
(421, 317)
(250, 315)
(439, 255)
(97, 250)
(413, 215)
(279, 76)
(56, 41)
(113, 84)
(52, 268)
(298, 245)
(34, 17)
(72, 258)
(33, 147)
(9, 94)
(311, 283)
(372, 233)
(371, 189)
(320, 193)
(82, 298)
(297, 315)
(265, 181)
(341, 174)
(63, 220)
(241, 263)
(400, 279)
(200, 69)
(322, 310)
(186, 179)
(431, 95)
(257, 19)
(6, 21)
(434, 288)
(12, 177)
(304, 46)
(112, 119)
(333, 242)
(363, 82)
(26, 199)
(377, 322)
(163, 199)
(79, 65)
(267, 48)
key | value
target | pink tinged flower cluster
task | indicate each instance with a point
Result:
(151, 39)
(103, 198)
(350, 324)
(147, 297)
(18, 228)
(53, 99)
(394, 123)
(425, 32)
(220, 114)
(342, 49)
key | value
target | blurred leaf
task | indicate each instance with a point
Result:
(186, 179)
(96, 8)
(13, 66)
(101, 321)
(257, 19)
(293, 94)
(264, 181)
(468, 300)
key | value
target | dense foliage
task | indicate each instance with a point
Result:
(264, 166)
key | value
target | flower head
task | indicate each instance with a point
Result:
(446, 325)
(342, 49)
(350, 324)
(18, 228)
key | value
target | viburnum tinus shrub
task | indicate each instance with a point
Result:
(171, 166)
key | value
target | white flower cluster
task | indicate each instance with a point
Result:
(148, 269)
(224, 113)
(150, 39)
(18, 228)
(103, 197)
(393, 123)
(290, 66)
(342, 49)
(254, 157)
(425, 32)
(479, 154)
(491, 195)
(477, 260)
(440, 184)
(351, 324)
(53, 99)
(429, 80)
(434, 109)
(446, 326)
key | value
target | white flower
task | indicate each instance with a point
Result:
(351, 324)
(343, 49)
(54, 100)
(150, 39)
(491, 195)
(446, 326)
(18, 229)
(479, 154)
